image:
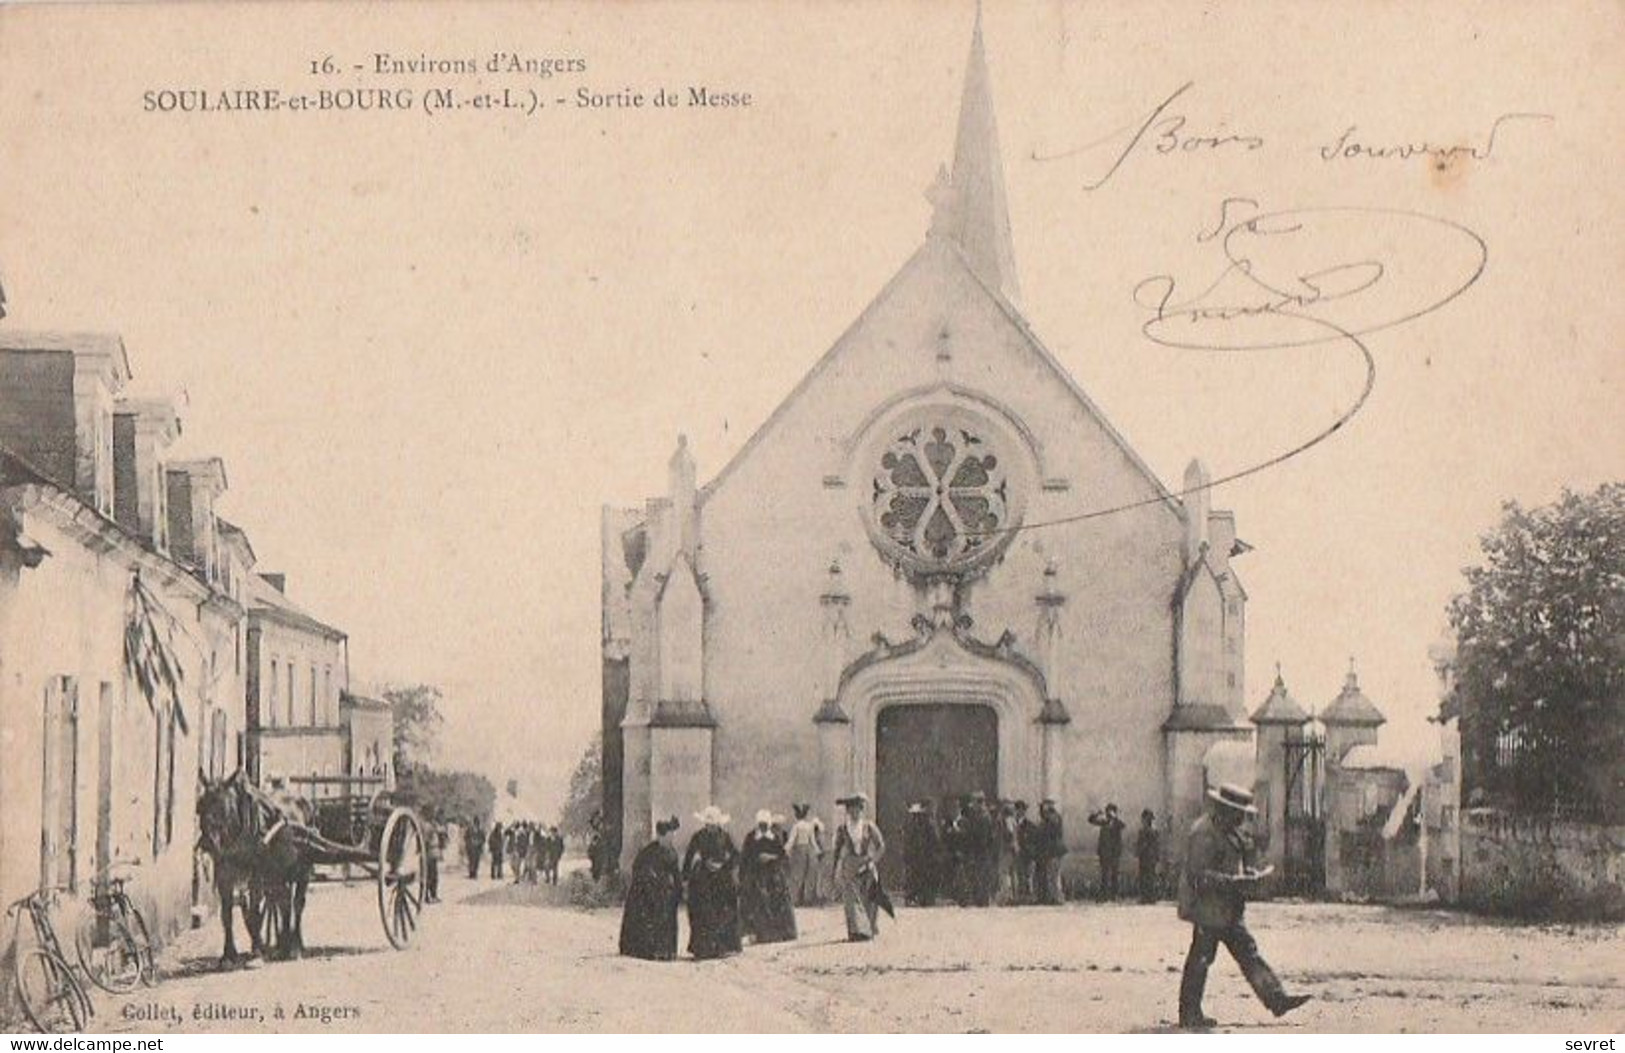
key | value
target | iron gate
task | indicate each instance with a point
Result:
(1303, 856)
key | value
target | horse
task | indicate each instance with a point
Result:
(255, 843)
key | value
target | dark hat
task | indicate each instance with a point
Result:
(1232, 796)
(801, 810)
(856, 798)
(1111, 807)
(1148, 814)
(1021, 806)
(666, 826)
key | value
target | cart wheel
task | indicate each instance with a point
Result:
(51, 996)
(400, 884)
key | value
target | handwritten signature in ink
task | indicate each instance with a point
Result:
(1297, 277)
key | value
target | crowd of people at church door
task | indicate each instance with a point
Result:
(978, 851)
(749, 891)
(981, 851)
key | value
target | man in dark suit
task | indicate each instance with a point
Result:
(473, 847)
(1109, 848)
(1028, 838)
(1213, 890)
(1148, 853)
(497, 842)
(1051, 847)
(981, 842)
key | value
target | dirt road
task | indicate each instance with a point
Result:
(497, 958)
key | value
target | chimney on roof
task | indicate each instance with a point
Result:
(279, 582)
(192, 489)
(142, 430)
(56, 407)
(1221, 537)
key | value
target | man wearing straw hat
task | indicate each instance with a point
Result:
(1213, 890)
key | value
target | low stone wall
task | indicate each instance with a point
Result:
(1541, 868)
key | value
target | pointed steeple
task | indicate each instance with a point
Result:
(969, 203)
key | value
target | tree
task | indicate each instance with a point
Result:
(585, 797)
(460, 796)
(1540, 662)
(416, 709)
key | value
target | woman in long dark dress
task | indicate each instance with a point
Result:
(765, 907)
(649, 923)
(713, 888)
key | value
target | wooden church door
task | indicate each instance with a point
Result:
(930, 751)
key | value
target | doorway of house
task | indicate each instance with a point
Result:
(934, 751)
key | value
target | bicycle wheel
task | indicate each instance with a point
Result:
(52, 998)
(108, 951)
(141, 940)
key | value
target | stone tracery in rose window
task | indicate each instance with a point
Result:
(940, 494)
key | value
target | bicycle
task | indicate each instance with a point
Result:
(51, 996)
(114, 945)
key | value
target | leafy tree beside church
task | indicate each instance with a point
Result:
(1540, 662)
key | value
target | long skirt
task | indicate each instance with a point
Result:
(764, 906)
(862, 912)
(713, 916)
(649, 924)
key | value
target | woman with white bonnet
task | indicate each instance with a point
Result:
(764, 885)
(713, 887)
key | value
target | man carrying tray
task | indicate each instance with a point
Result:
(1213, 891)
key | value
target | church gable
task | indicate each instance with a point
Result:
(938, 334)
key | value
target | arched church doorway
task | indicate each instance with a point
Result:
(930, 751)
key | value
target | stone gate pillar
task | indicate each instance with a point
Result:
(1278, 721)
(680, 739)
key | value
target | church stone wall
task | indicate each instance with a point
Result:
(772, 525)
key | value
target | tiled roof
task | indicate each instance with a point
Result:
(1280, 707)
(264, 599)
(1352, 707)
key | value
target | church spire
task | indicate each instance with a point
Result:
(970, 204)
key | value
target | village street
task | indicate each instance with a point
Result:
(504, 959)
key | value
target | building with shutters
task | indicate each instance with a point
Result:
(121, 622)
(136, 635)
(851, 601)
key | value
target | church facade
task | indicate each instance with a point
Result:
(863, 598)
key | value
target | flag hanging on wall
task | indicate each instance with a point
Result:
(149, 651)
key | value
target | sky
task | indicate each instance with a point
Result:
(429, 348)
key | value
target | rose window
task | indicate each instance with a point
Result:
(941, 495)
